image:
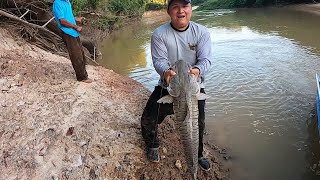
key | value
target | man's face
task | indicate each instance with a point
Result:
(180, 14)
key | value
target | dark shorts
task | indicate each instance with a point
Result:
(154, 113)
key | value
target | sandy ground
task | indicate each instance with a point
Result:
(53, 127)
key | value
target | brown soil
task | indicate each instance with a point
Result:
(53, 127)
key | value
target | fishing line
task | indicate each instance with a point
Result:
(156, 125)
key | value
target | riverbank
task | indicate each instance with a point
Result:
(151, 17)
(52, 126)
(310, 8)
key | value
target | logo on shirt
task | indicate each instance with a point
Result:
(192, 47)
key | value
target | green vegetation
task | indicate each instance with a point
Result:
(112, 13)
(79, 5)
(126, 7)
(225, 4)
(130, 8)
(94, 3)
(155, 4)
(116, 11)
(116, 7)
(108, 22)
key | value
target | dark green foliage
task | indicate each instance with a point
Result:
(260, 3)
(154, 6)
(109, 22)
(79, 5)
(126, 7)
(223, 4)
(94, 3)
(216, 4)
(112, 12)
(197, 2)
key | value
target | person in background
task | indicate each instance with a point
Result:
(70, 31)
(179, 39)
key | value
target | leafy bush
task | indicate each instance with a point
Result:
(216, 4)
(155, 6)
(126, 7)
(109, 22)
(163, 2)
(224, 4)
(94, 3)
(79, 5)
(219, 4)
(260, 3)
(197, 2)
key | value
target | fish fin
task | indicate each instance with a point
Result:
(202, 96)
(166, 99)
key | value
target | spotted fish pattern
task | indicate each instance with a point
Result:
(184, 93)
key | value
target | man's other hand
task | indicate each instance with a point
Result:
(167, 75)
(78, 28)
(66, 23)
(196, 72)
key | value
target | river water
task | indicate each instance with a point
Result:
(262, 87)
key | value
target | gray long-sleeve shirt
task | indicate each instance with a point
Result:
(192, 45)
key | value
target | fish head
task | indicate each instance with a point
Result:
(183, 80)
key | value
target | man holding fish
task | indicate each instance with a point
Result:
(181, 39)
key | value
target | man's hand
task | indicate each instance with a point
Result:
(78, 28)
(196, 72)
(79, 19)
(168, 75)
(66, 23)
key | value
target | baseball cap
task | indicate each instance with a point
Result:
(170, 1)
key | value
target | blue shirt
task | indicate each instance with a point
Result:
(62, 10)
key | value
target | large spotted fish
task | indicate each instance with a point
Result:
(184, 93)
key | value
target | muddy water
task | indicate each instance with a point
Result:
(262, 87)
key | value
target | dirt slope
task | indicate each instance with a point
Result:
(53, 127)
